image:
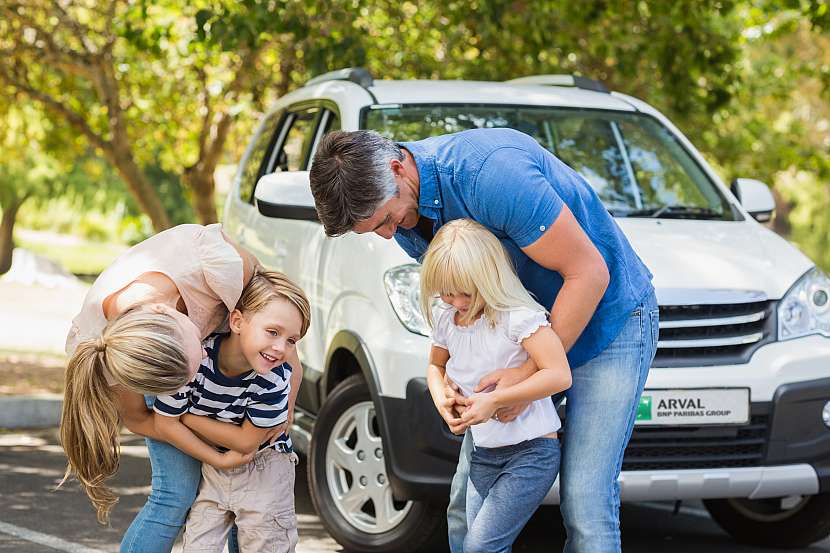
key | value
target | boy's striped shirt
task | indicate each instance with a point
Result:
(263, 399)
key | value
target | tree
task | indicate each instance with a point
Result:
(26, 170)
(139, 82)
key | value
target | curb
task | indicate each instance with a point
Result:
(30, 411)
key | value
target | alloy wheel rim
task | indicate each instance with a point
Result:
(770, 510)
(356, 473)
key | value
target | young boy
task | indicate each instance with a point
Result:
(238, 400)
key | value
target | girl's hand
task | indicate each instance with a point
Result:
(480, 408)
(232, 459)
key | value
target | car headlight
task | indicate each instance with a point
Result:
(403, 286)
(805, 308)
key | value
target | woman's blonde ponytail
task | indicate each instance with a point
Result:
(140, 351)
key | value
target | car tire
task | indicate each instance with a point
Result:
(780, 523)
(347, 479)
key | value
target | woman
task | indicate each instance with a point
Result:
(139, 332)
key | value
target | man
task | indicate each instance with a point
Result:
(568, 252)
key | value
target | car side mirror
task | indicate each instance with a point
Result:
(286, 196)
(755, 197)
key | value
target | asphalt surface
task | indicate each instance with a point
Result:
(35, 518)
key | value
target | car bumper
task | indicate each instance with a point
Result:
(784, 451)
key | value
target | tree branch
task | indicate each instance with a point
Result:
(76, 120)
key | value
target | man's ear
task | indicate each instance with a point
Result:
(397, 167)
(235, 321)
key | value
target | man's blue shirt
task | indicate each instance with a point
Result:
(509, 183)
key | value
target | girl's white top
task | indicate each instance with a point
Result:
(479, 349)
(207, 270)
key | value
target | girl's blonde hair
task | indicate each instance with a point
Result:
(267, 286)
(141, 351)
(466, 258)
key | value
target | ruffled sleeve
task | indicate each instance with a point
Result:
(441, 318)
(524, 322)
(221, 265)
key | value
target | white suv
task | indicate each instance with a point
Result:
(737, 407)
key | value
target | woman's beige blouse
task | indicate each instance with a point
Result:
(207, 270)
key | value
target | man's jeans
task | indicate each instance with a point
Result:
(506, 486)
(600, 412)
(175, 482)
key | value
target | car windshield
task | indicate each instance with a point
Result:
(635, 164)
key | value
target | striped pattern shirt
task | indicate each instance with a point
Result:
(260, 398)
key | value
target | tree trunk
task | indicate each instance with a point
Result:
(140, 188)
(781, 222)
(203, 187)
(7, 234)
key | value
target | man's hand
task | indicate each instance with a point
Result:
(504, 378)
(480, 408)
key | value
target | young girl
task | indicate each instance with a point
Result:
(237, 398)
(487, 320)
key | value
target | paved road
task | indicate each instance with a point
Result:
(36, 519)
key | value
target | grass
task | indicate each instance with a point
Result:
(77, 255)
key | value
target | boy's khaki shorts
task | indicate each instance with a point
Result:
(258, 497)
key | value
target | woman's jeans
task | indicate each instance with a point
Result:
(506, 486)
(600, 412)
(175, 483)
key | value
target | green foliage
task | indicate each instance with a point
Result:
(748, 82)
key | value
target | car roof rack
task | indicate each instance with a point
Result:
(562, 80)
(357, 75)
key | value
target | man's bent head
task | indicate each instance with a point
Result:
(351, 177)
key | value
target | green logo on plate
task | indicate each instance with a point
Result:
(644, 409)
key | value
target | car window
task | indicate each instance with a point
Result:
(253, 164)
(293, 150)
(635, 164)
(329, 121)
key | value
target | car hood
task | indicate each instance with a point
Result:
(708, 257)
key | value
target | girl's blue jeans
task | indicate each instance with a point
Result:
(175, 483)
(506, 486)
(600, 412)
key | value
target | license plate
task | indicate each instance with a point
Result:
(693, 407)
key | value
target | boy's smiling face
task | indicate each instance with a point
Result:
(269, 335)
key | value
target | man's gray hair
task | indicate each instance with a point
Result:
(351, 178)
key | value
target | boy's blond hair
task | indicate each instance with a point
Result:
(267, 286)
(466, 258)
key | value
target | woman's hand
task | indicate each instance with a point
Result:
(276, 432)
(480, 408)
(232, 459)
(504, 378)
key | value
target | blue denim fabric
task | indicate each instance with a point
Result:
(599, 418)
(506, 486)
(175, 483)
(508, 182)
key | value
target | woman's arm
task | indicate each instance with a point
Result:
(134, 413)
(553, 376)
(177, 434)
(245, 439)
(436, 371)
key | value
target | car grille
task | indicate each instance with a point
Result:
(697, 447)
(713, 334)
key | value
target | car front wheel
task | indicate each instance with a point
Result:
(349, 484)
(781, 523)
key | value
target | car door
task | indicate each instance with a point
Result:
(294, 246)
